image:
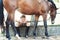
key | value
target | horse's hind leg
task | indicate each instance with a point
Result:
(45, 24)
(14, 28)
(7, 29)
(35, 24)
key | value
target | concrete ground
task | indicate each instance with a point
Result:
(54, 31)
(2, 37)
(31, 38)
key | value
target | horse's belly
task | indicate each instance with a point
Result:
(26, 11)
(27, 6)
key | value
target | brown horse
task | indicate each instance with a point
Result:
(30, 7)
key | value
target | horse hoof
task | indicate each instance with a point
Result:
(8, 39)
(35, 37)
(52, 22)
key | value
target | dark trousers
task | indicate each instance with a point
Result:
(18, 31)
(26, 31)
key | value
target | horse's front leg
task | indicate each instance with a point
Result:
(35, 24)
(45, 24)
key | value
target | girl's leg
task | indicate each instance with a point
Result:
(26, 31)
(18, 31)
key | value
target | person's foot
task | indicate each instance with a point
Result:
(18, 37)
(26, 36)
